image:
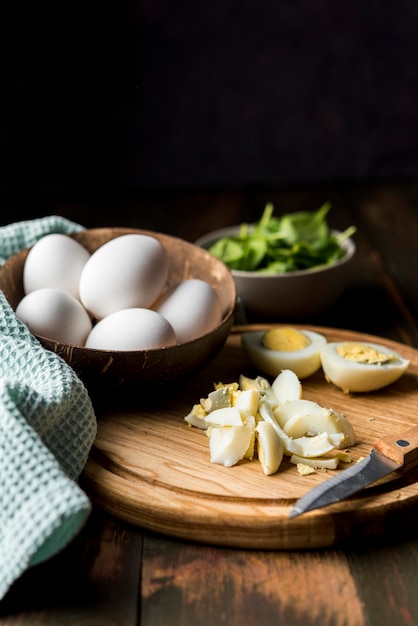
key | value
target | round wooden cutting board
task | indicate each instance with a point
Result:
(148, 467)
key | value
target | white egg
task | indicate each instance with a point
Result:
(193, 309)
(284, 348)
(132, 329)
(361, 366)
(55, 261)
(129, 271)
(55, 315)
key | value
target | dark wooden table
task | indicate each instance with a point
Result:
(117, 574)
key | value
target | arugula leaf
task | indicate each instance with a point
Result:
(294, 241)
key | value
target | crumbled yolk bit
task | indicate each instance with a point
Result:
(285, 339)
(361, 353)
(305, 470)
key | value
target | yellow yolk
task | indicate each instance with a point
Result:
(283, 348)
(285, 340)
(361, 353)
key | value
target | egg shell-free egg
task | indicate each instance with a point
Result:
(303, 363)
(132, 329)
(55, 261)
(353, 376)
(192, 308)
(129, 271)
(55, 315)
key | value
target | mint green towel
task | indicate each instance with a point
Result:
(47, 427)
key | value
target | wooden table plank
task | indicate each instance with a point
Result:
(385, 578)
(213, 586)
(95, 580)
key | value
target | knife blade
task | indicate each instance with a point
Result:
(389, 454)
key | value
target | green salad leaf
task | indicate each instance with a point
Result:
(294, 241)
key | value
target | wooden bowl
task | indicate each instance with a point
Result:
(110, 370)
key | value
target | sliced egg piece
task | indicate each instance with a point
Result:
(310, 447)
(218, 399)
(261, 384)
(248, 400)
(321, 463)
(228, 416)
(312, 419)
(287, 387)
(307, 410)
(284, 348)
(269, 448)
(250, 424)
(356, 366)
(302, 446)
(229, 445)
(196, 417)
(342, 426)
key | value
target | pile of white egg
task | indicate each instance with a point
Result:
(115, 298)
(253, 419)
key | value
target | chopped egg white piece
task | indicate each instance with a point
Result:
(228, 416)
(343, 456)
(217, 399)
(229, 445)
(250, 452)
(196, 417)
(261, 384)
(309, 418)
(342, 425)
(286, 387)
(303, 446)
(305, 409)
(361, 366)
(269, 448)
(248, 401)
(316, 463)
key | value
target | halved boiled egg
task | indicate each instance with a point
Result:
(361, 366)
(284, 348)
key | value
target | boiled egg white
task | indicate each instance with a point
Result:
(284, 348)
(192, 307)
(129, 271)
(131, 329)
(229, 445)
(270, 447)
(55, 315)
(55, 261)
(361, 366)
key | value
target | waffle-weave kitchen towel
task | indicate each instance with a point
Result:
(47, 427)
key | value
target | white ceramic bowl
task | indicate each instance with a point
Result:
(289, 296)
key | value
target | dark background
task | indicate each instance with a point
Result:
(106, 100)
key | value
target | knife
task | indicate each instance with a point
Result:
(389, 454)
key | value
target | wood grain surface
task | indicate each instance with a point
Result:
(150, 468)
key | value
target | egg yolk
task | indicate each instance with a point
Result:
(285, 340)
(360, 353)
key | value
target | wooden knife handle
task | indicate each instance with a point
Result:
(402, 449)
